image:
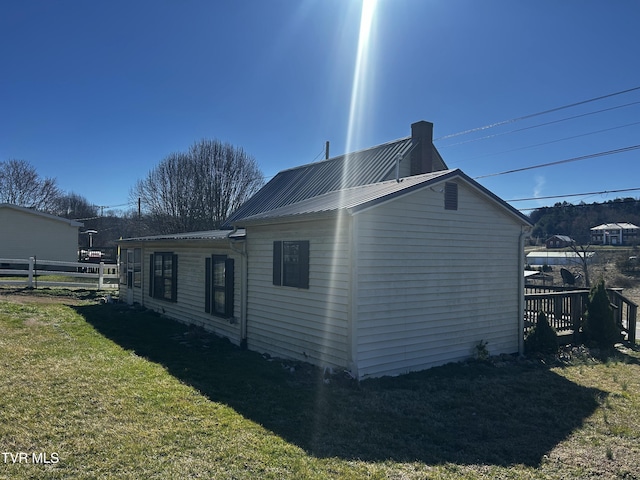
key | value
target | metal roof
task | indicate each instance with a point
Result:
(368, 166)
(205, 235)
(365, 196)
(615, 226)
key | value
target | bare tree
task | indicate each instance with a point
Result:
(584, 257)
(74, 206)
(21, 185)
(199, 189)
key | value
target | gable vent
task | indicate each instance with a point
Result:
(450, 196)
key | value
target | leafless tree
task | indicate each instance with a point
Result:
(583, 258)
(21, 185)
(74, 206)
(197, 189)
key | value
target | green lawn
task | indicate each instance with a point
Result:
(112, 392)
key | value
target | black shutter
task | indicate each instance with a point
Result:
(228, 286)
(151, 274)
(277, 263)
(304, 264)
(207, 285)
(174, 278)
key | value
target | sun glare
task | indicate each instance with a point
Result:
(358, 88)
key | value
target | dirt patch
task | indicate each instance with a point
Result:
(51, 296)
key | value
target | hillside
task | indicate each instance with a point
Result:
(576, 220)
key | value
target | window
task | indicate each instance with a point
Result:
(291, 264)
(450, 196)
(163, 274)
(219, 278)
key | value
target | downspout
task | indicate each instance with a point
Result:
(244, 282)
(524, 233)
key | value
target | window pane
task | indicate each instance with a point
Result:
(291, 264)
(167, 288)
(218, 272)
(219, 301)
(167, 266)
(157, 270)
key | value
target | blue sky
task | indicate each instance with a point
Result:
(95, 94)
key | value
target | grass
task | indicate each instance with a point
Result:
(116, 392)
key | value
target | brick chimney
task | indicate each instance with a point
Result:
(422, 154)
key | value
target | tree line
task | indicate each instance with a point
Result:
(187, 191)
(576, 220)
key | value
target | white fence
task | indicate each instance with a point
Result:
(32, 273)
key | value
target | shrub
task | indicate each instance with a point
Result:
(599, 327)
(543, 338)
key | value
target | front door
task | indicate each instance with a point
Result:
(130, 264)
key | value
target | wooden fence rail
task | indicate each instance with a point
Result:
(32, 273)
(565, 309)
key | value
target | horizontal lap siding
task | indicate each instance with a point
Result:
(432, 283)
(25, 235)
(190, 305)
(304, 324)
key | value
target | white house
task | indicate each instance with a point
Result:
(380, 276)
(623, 233)
(28, 233)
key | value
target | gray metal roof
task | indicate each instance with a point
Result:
(205, 235)
(368, 166)
(349, 198)
(365, 196)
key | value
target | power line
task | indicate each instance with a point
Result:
(571, 205)
(517, 119)
(559, 162)
(540, 125)
(574, 195)
(556, 141)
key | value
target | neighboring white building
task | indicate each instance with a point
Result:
(616, 234)
(381, 277)
(28, 233)
(541, 258)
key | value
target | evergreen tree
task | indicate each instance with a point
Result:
(543, 338)
(599, 326)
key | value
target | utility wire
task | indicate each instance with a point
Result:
(540, 125)
(559, 162)
(574, 195)
(517, 119)
(554, 141)
(571, 205)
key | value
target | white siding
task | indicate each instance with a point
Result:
(432, 283)
(24, 235)
(304, 324)
(190, 305)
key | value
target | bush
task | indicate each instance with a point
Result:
(543, 338)
(599, 327)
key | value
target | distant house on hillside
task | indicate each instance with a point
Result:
(616, 234)
(559, 241)
(377, 261)
(28, 233)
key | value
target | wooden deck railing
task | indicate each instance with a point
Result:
(565, 309)
(32, 274)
